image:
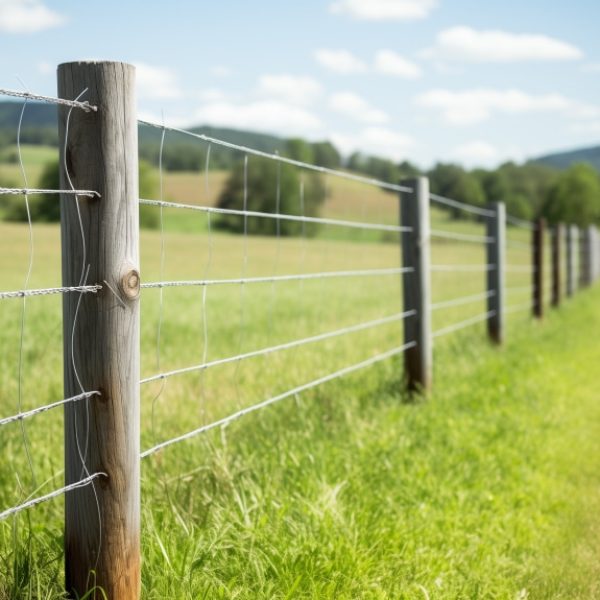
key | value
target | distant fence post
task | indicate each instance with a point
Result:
(101, 331)
(557, 235)
(538, 267)
(416, 289)
(571, 237)
(585, 269)
(496, 230)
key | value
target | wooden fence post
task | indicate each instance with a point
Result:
(101, 331)
(416, 288)
(557, 235)
(496, 229)
(585, 269)
(538, 267)
(571, 237)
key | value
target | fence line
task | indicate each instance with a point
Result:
(297, 390)
(278, 216)
(85, 106)
(111, 368)
(285, 346)
(281, 159)
(59, 492)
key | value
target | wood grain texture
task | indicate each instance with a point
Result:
(538, 236)
(416, 288)
(101, 154)
(496, 251)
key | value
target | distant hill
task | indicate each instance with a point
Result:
(41, 119)
(563, 160)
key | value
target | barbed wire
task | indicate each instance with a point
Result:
(273, 278)
(84, 289)
(278, 216)
(282, 159)
(463, 237)
(466, 268)
(33, 191)
(85, 106)
(59, 492)
(36, 411)
(461, 205)
(462, 300)
(462, 324)
(285, 346)
(293, 392)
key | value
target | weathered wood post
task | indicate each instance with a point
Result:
(101, 331)
(572, 235)
(557, 235)
(538, 267)
(585, 269)
(496, 250)
(416, 288)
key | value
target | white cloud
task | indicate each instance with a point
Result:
(156, 83)
(296, 90)
(375, 140)
(477, 105)
(212, 95)
(383, 10)
(357, 108)
(262, 115)
(469, 45)
(340, 61)
(27, 16)
(390, 63)
(479, 153)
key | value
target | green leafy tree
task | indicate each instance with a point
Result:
(575, 197)
(271, 187)
(454, 182)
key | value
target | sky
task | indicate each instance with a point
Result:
(465, 81)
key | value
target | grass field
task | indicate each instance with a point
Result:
(345, 492)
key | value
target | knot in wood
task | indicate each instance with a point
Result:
(130, 284)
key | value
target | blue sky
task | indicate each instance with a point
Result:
(427, 80)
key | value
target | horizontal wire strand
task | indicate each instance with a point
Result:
(278, 216)
(276, 157)
(517, 308)
(274, 278)
(466, 268)
(41, 409)
(285, 346)
(519, 222)
(519, 288)
(83, 289)
(463, 324)
(59, 492)
(462, 300)
(297, 390)
(518, 268)
(85, 106)
(461, 205)
(463, 237)
(33, 191)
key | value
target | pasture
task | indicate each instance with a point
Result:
(348, 491)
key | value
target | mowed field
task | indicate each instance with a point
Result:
(345, 492)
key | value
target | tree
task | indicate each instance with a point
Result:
(326, 155)
(45, 208)
(575, 197)
(455, 183)
(271, 187)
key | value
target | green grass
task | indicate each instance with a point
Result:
(487, 489)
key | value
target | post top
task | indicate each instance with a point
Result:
(94, 62)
